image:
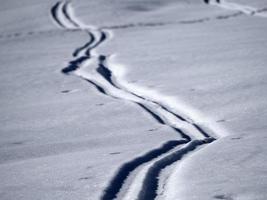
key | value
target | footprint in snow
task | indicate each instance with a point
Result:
(152, 129)
(84, 178)
(18, 143)
(65, 91)
(68, 91)
(223, 196)
(115, 153)
(235, 138)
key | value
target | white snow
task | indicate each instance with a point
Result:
(156, 81)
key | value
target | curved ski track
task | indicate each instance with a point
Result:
(150, 165)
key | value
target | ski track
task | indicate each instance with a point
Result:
(55, 16)
(150, 183)
(117, 182)
(152, 163)
(79, 50)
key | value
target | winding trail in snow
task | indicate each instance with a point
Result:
(94, 68)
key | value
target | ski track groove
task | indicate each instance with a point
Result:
(150, 184)
(66, 14)
(54, 13)
(60, 11)
(107, 74)
(104, 71)
(154, 115)
(124, 171)
(85, 46)
(99, 88)
(103, 37)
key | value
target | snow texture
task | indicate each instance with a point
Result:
(134, 100)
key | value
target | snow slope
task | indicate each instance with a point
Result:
(122, 99)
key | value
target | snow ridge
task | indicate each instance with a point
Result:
(94, 68)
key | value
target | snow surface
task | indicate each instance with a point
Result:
(104, 99)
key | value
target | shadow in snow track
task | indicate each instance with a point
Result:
(66, 14)
(168, 110)
(261, 10)
(54, 13)
(103, 37)
(154, 115)
(60, 11)
(85, 46)
(201, 130)
(104, 71)
(117, 182)
(150, 184)
(74, 64)
(183, 135)
(99, 88)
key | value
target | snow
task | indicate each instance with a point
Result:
(134, 112)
